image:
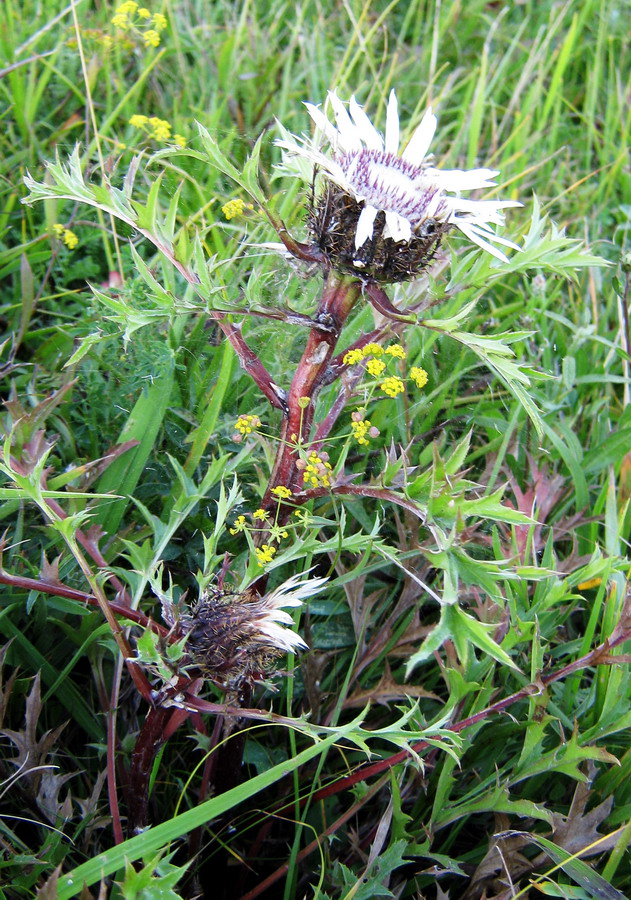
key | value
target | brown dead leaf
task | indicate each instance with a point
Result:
(49, 571)
(502, 864)
(48, 891)
(386, 691)
(579, 829)
(33, 752)
(5, 689)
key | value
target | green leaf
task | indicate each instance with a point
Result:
(597, 887)
(154, 839)
(464, 625)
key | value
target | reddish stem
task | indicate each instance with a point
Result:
(338, 298)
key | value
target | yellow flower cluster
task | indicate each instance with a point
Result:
(375, 367)
(158, 129)
(239, 525)
(352, 357)
(247, 424)
(282, 492)
(265, 554)
(234, 208)
(361, 428)
(69, 238)
(277, 533)
(392, 386)
(317, 472)
(131, 17)
(418, 376)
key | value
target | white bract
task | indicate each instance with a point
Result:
(410, 192)
(271, 617)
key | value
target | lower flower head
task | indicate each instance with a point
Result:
(318, 470)
(236, 637)
(151, 38)
(362, 431)
(375, 367)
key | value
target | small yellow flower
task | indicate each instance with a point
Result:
(159, 21)
(352, 357)
(303, 402)
(151, 38)
(239, 525)
(179, 139)
(120, 20)
(372, 350)
(391, 386)
(129, 6)
(282, 492)
(396, 350)
(64, 234)
(247, 424)
(161, 130)
(375, 367)
(418, 376)
(260, 514)
(264, 554)
(144, 13)
(233, 208)
(138, 121)
(70, 239)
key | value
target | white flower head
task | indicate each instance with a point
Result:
(393, 198)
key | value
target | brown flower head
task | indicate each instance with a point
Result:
(235, 637)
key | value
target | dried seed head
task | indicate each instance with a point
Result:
(236, 637)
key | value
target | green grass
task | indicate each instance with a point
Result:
(540, 92)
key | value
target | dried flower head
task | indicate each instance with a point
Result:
(235, 637)
(382, 212)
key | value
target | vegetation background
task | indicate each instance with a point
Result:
(539, 90)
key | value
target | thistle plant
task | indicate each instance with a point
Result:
(382, 224)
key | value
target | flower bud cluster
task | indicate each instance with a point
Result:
(362, 429)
